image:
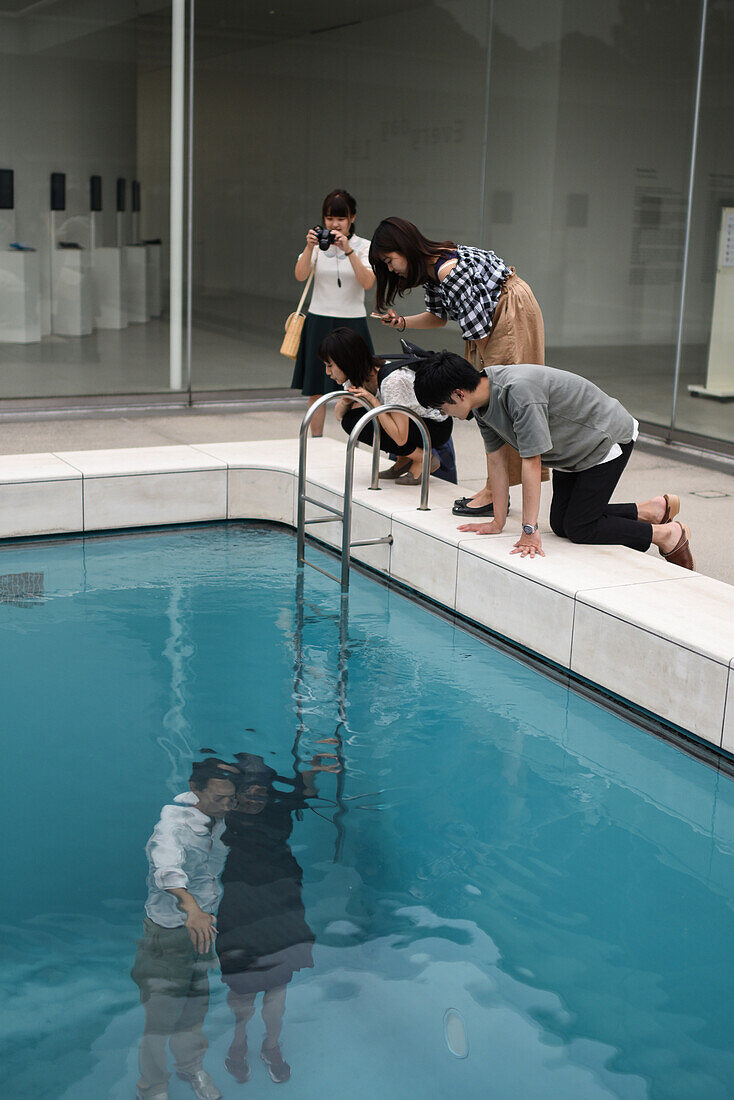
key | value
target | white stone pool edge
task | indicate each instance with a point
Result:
(653, 634)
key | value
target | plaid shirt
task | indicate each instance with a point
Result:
(470, 292)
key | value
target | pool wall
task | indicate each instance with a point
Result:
(660, 637)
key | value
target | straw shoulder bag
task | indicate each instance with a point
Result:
(294, 325)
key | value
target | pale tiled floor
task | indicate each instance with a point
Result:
(707, 493)
(230, 357)
(135, 360)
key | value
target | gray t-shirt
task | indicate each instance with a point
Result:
(564, 418)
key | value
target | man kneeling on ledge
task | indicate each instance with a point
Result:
(556, 419)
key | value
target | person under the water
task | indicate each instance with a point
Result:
(185, 854)
(263, 935)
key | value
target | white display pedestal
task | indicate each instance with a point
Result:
(153, 253)
(720, 369)
(20, 310)
(108, 274)
(44, 259)
(136, 261)
(7, 229)
(71, 306)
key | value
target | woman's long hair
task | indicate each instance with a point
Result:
(398, 235)
(340, 204)
(350, 352)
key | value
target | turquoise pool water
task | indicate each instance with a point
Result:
(495, 845)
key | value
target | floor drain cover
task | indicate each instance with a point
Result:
(21, 589)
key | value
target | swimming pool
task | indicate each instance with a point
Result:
(496, 845)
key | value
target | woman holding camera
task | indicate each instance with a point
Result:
(495, 308)
(342, 273)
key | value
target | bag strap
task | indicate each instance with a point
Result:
(392, 365)
(305, 289)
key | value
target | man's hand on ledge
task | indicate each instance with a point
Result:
(529, 546)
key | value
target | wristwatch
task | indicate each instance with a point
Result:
(529, 528)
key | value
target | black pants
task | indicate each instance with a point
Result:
(580, 509)
(438, 430)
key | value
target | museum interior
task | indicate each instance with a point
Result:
(160, 165)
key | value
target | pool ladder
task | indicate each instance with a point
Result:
(345, 515)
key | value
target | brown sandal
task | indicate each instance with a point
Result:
(681, 553)
(390, 473)
(672, 507)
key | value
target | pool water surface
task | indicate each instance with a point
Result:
(512, 891)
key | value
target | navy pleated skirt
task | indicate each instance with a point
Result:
(309, 373)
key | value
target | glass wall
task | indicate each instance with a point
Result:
(594, 106)
(589, 160)
(707, 346)
(83, 182)
(560, 133)
(315, 101)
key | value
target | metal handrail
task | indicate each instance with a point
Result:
(349, 476)
(345, 516)
(302, 446)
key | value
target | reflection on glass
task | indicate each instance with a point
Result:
(587, 175)
(707, 351)
(84, 140)
(185, 859)
(404, 137)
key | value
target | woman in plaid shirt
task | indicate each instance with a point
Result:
(499, 316)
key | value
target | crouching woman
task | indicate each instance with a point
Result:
(350, 363)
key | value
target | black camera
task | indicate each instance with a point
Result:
(325, 236)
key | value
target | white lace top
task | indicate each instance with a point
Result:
(399, 389)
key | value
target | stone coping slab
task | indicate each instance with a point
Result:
(26, 469)
(127, 461)
(655, 635)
